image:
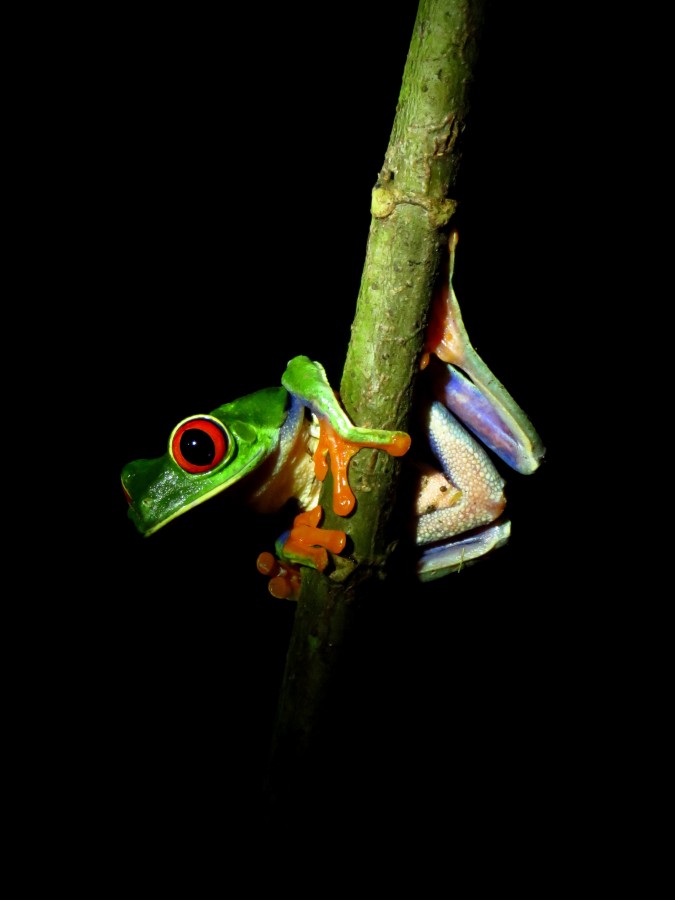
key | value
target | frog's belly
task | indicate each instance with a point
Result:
(289, 474)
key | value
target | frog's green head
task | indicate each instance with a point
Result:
(206, 455)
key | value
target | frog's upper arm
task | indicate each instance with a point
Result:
(339, 439)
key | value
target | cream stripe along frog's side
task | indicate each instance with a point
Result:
(267, 439)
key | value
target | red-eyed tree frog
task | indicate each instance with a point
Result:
(274, 443)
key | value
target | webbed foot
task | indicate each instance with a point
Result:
(443, 559)
(306, 544)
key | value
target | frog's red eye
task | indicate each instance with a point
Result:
(199, 444)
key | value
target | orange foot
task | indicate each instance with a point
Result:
(304, 545)
(284, 580)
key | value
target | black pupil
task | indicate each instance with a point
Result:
(197, 447)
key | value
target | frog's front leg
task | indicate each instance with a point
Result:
(338, 440)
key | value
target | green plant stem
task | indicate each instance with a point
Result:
(411, 208)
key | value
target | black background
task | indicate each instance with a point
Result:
(219, 173)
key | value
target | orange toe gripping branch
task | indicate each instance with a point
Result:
(341, 451)
(284, 579)
(306, 542)
(306, 539)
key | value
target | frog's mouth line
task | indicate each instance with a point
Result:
(140, 521)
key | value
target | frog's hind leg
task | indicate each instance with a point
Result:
(442, 559)
(471, 390)
(463, 525)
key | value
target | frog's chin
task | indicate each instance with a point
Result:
(147, 527)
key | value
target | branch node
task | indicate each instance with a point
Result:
(385, 200)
